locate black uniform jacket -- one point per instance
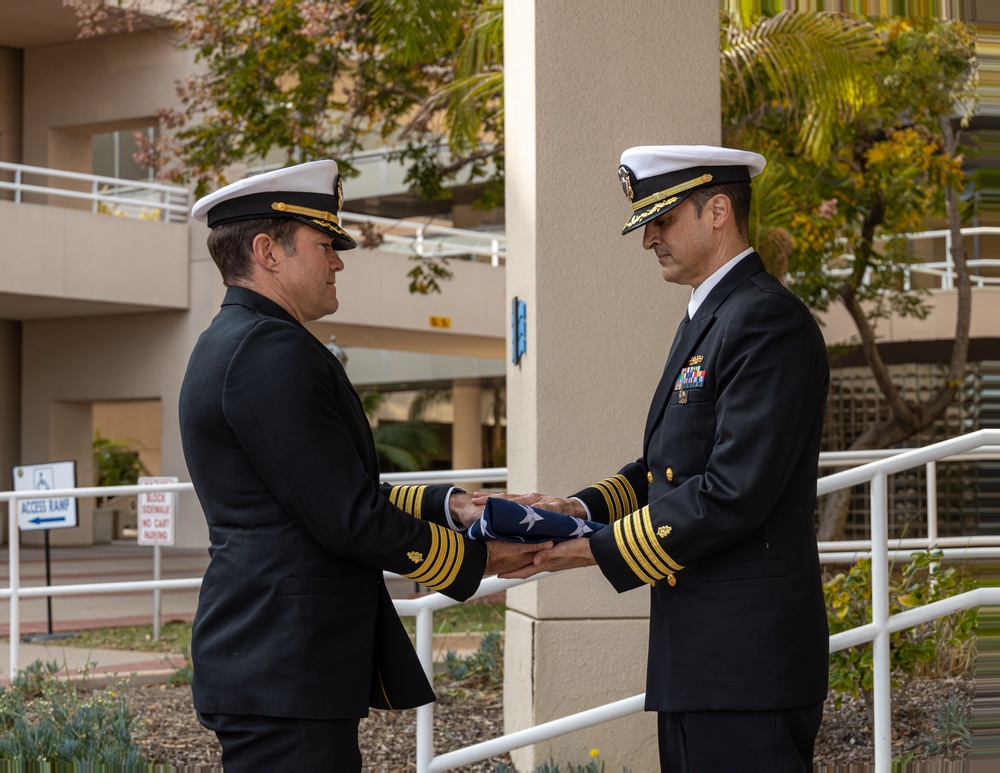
(717, 516)
(293, 618)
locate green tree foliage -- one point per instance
(834, 219)
(116, 463)
(314, 78)
(298, 80)
(404, 446)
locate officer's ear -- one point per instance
(721, 209)
(263, 249)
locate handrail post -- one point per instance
(932, 504)
(156, 592)
(18, 181)
(15, 586)
(948, 280)
(425, 713)
(880, 617)
(495, 253)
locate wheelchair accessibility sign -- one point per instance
(46, 512)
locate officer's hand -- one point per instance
(504, 556)
(571, 554)
(544, 501)
(464, 510)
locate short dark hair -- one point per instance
(231, 244)
(737, 193)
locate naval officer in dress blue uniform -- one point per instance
(717, 513)
(295, 634)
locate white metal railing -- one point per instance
(984, 271)
(984, 444)
(110, 195)
(158, 201)
(417, 238)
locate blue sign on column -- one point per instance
(518, 330)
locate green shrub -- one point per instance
(950, 731)
(45, 719)
(484, 666)
(940, 646)
(184, 674)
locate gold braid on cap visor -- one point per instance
(700, 180)
(292, 209)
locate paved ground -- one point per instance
(119, 561)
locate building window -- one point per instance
(114, 151)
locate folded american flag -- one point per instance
(503, 519)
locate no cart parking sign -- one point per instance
(156, 514)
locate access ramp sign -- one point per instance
(46, 512)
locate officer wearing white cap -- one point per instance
(295, 634)
(716, 515)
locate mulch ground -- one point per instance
(169, 733)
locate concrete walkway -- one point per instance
(119, 561)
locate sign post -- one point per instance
(46, 513)
(156, 528)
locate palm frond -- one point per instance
(817, 68)
(372, 401)
(416, 31)
(477, 90)
(408, 445)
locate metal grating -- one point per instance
(968, 492)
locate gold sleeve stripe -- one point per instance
(618, 495)
(639, 546)
(408, 498)
(632, 530)
(444, 559)
(628, 493)
(620, 539)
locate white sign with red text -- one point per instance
(156, 514)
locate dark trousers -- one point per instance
(743, 742)
(251, 742)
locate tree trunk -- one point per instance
(908, 418)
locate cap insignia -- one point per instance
(340, 194)
(292, 209)
(651, 211)
(415, 556)
(625, 176)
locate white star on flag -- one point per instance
(581, 528)
(531, 517)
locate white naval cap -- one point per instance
(656, 178)
(311, 193)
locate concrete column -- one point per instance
(467, 426)
(582, 83)
(10, 411)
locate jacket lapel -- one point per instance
(689, 336)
